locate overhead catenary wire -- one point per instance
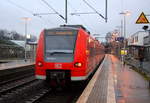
(106, 9)
(23, 8)
(82, 20)
(52, 9)
(26, 10)
(11, 2)
(94, 9)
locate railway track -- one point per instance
(21, 91)
(8, 87)
(26, 89)
(16, 78)
(29, 90)
(8, 75)
(58, 95)
(16, 83)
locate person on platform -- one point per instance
(141, 57)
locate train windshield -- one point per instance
(59, 46)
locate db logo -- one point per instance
(58, 66)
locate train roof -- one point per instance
(62, 28)
(69, 27)
(76, 26)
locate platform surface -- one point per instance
(130, 86)
(115, 82)
(101, 87)
(15, 64)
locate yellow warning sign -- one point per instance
(123, 52)
(142, 19)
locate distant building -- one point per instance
(147, 46)
(147, 39)
(137, 38)
(19, 42)
(22, 44)
(30, 48)
(140, 39)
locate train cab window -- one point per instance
(59, 47)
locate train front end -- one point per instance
(60, 55)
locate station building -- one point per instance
(140, 39)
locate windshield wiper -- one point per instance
(59, 52)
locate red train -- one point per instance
(67, 53)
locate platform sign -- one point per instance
(123, 52)
(142, 19)
(121, 39)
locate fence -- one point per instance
(8, 52)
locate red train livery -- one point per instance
(67, 53)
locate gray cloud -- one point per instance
(11, 15)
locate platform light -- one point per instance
(125, 14)
(28, 36)
(89, 40)
(26, 19)
(87, 52)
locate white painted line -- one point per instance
(110, 89)
(85, 95)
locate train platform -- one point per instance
(15, 64)
(115, 82)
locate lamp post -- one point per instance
(125, 13)
(26, 19)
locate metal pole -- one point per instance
(149, 36)
(66, 11)
(121, 34)
(121, 28)
(25, 39)
(26, 19)
(124, 38)
(106, 12)
(124, 31)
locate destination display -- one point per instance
(60, 33)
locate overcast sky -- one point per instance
(12, 12)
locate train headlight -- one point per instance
(78, 64)
(40, 64)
